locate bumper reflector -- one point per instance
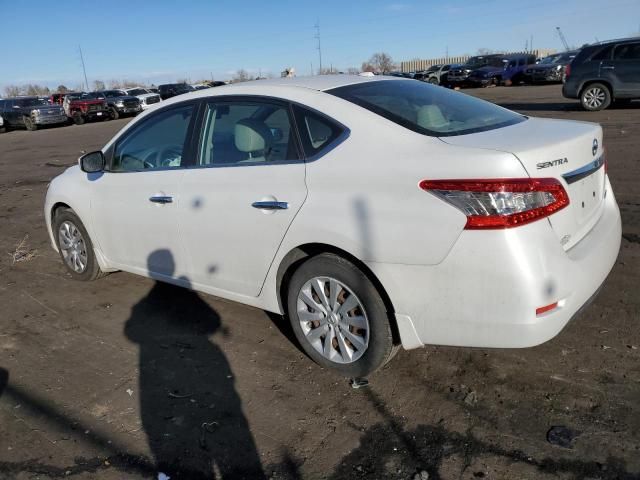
(545, 309)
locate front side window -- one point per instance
(246, 132)
(630, 51)
(158, 142)
(426, 109)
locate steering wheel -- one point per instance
(164, 156)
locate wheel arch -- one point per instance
(298, 255)
(606, 83)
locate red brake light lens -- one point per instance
(501, 203)
(567, 71)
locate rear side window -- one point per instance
(629, 51)
(317, 132)
(604, 54)
(427, 109)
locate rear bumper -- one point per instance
(486, 292)
(570, 89)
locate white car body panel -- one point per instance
(447, 285)
(144, 97)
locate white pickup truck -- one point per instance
(146, 97)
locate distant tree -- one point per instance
(484, 51)
(35, 90)
(240, 76)
(62, 89)
(115, 83)
(353, 71)
(99, 85)
(183, 80)
(12, 91)
(380, 62)
(129, 84)
(367, 67)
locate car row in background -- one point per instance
(495, 69)
(32, 112)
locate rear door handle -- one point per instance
(270, 205)
(161, 199)
(608, 67)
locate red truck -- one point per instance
(80, 108)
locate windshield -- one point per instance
(475, 62)
(549, 60)
(137, 91)
(433, 68)
(30, 102)
(112, 93)
(427, 109)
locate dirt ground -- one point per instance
(125, 378)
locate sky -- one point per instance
(161, 41)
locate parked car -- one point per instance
(58, 98)
(507, 70)
(146, 98)
(550, 69)
(439, 74)
(83, 107)
(1, 119)
(457, 76)
(363, 253)
(174, 89)
(604, 73)
(119, 102)
(30, 113)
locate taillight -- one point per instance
(567, 70)
(501, 203)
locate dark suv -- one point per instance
(31, 113)
(119, 102)
(169, 90)
(604, 73)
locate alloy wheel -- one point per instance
(594, 97)
(72, 246)
(333, 320)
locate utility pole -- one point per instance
(447, 53)
(319, 47)
(562, 39)
(86, 82)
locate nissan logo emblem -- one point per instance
(594, 148)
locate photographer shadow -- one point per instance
(189, 406)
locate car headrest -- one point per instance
(252, 135)
(430, 117)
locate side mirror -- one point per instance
(92, 162)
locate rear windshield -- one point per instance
(427, 109)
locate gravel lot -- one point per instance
(117, 378)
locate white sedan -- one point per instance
(374, 212)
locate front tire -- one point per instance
(75, 247)
(595, 97)
(29, 124)
(434, 81)
(78, 119)
(114, 114)
(338, 316)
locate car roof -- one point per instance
(318, 82)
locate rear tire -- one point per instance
(30, 125)
(75, 247)
(346, 327)
(595, 97)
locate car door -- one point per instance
(135, 202)
(244, 192)
(625, 68)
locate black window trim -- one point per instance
(188, 154)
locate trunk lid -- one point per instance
(569, 151)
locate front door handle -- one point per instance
(608, 67)
(161, 199)
(270, 205)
